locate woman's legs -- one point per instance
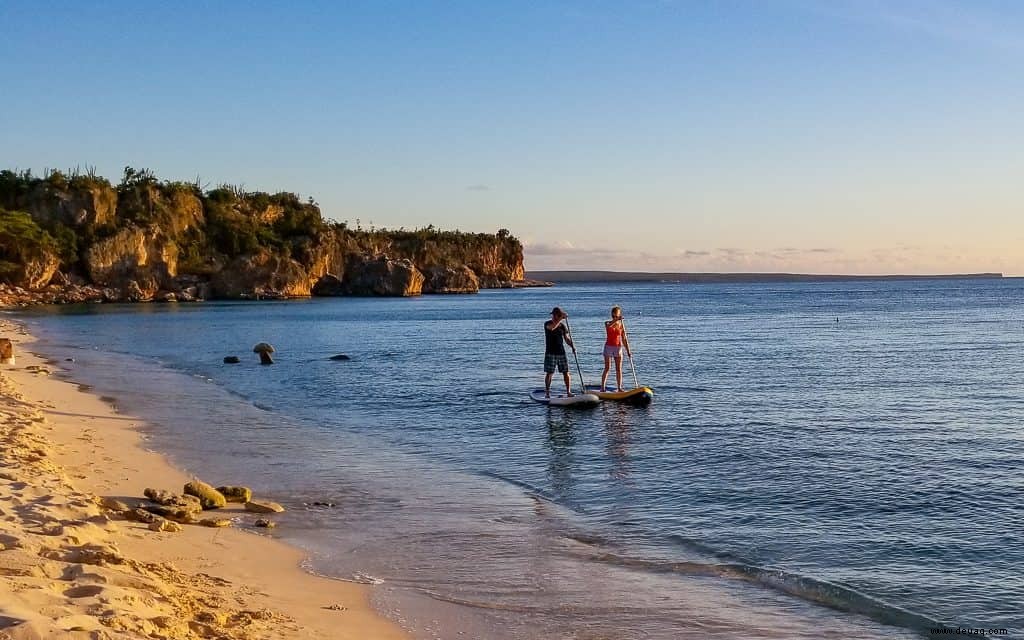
(604, 376)
(618, 371)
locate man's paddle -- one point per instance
(632, 366)
(578, 370)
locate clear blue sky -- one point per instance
(862, 136)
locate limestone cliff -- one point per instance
(149, 239)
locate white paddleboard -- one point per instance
(562, 400)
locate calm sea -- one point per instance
(821, 460)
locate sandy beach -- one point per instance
(72, 567)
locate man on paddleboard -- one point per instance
(555, 332)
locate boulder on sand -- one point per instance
(170, 499)
(209, 497)
(236, 494)
(177, 514)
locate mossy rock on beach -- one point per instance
(209, 497)
(236, 494)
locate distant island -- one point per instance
(641, 276)
(70, 237)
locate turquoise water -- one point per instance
(820, 460)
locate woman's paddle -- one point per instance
(578, 370)
(632, 366)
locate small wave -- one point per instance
(823, 592)
(364, 578)
(534, 492)
(358, 577)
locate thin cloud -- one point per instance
(955, 21)
(565, 249)
(478, 187)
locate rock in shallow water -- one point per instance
(263, 506)
(266, 524)
(340, 356)
(215, 522)
(232, 359)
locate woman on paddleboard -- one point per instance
(555, 332)
(615, 340)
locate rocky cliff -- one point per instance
(70, 238)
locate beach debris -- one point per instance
(336, 607)
(232, 359)
(266, 524)
(263, 506)
(6, 351)
(341, 356)
(209, 497)
(164, 525)
(215, 522)
(236, 494)
(264, 350)
(328, 505)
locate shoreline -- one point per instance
(72, 569)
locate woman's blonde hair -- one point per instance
(616, 311)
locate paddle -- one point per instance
(632, 366)
(574, 356)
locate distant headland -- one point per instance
(641, 276)
(70, 237)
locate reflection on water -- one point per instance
(561, 440)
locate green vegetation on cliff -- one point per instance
(162, 237)
(23, 244)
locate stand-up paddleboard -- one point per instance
(639, 395)
(562, 400)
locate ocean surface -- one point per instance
(821, 460)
